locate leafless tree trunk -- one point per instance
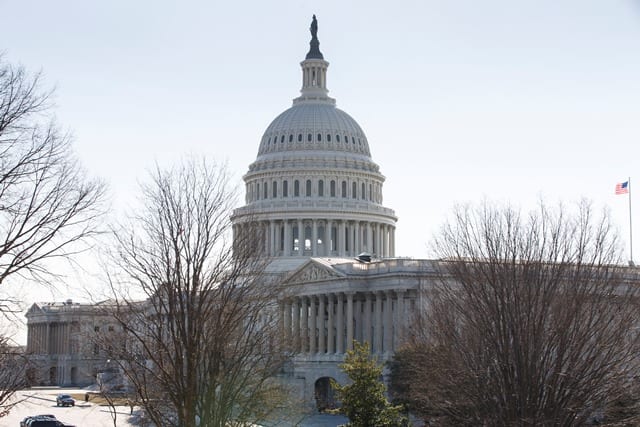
(203, 344)
(533, 323)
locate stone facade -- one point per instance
(61, 344)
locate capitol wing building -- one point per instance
(315, 193)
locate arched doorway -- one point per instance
(324, 394)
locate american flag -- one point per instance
(622, 187)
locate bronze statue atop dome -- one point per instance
(314, 51)
(314, 28)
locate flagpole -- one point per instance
(630, 229)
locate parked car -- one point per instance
(65, 400)
(42, 421)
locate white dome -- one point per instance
(314, 126)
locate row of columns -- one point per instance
(326, 238)
(329, 323)
(49, 338)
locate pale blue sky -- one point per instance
(460, 100)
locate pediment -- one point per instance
(34, 309)
(313, 272)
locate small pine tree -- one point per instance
(363, 401)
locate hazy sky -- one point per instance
(460, 100)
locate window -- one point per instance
(319, 137)
(346, 139)
(344, 189)
(274, 187)
(332, 189)
(328, 138)
(290, 138)
(96, 329)
(338, 138)
(308, 188)
(265, 191)
(309, 137)
(296, 188)
(363, 193)
(299, 137)
(258, 191)
(281, 139)
(370, 192)
(285, 189)
(354, 190)
(353, 140)
(321, 188)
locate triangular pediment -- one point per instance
(313, 271)
(34, 309)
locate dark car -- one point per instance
(42, 421)
(65, 400)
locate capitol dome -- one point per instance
(314, 189)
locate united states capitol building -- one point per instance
(316, 192)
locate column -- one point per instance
(357, 243)
(313, 324)
(320, 324)
(349, 320)
(287, 238)
(327, 238)
(287, 323)
(388, 323)
(314, 237)
(399, 317)
(300, 238)
(296, 325)
(340, 325)
(304, 319)
(378, 324)
(385, 240)
(392, 246)
(331, 348)
(265, 231)
(369, 238)
(272, 238)
(341, 244)
(366, 336)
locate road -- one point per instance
(38, 401)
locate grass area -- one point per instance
(99, 399)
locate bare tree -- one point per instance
(13, 373)
(202, 347)
(533, 323)
(47, 205)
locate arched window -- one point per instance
(370, 192)
(363, 193)
(319, 137)
(344, 189)
(290, 138)
(299, 137)
(308, 188)
(321, 188)
(332, 189)
(281, 139)
(354, 190)
(346, 139)
(296, 188)
(338, 138)
(258, 191)
(328, 138)
(309, 137)
(274, 188)
(285, 189)
(265, 191)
